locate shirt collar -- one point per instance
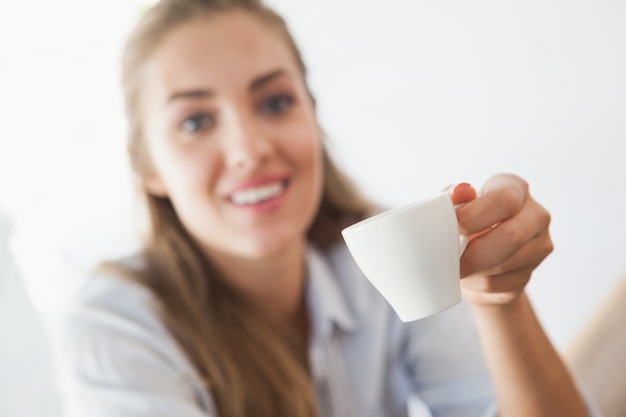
(326, 299)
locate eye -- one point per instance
(277, 104)
(197, 123)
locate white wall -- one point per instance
(414, 95)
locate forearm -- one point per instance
(529, 377)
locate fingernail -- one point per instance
(454, 187)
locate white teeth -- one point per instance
(258, 194)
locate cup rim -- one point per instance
(405, 207)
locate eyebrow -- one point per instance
(205, 93)
(259, 82)
(196, 93)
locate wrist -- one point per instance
(491, 304)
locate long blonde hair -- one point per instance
(252, 366)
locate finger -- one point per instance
(500, 181)
(505, 283)
(462, 193)
(505, 240)
(528, 256)
(500, 199)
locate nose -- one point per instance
(246, 146)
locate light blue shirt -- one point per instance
(116, 358)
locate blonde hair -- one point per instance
(251, 365)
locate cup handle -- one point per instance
(463, 239)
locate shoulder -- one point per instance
(106, 298)
(110, 321)
(114, 354)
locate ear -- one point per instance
(149, 180)
(152, 183)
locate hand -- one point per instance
(509, 239)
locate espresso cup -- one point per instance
(411, 255)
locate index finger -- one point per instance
(500, 199)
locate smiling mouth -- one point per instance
(258, 195)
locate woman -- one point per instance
(244, 301)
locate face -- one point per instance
(232, 136)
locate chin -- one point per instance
(268, 247)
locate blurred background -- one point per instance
(414, 95)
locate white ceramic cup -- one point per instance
(411, 255)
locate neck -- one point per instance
(274, 285)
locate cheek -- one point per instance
(304, 146)
(191, 184)
(306, 155)
(187, 169)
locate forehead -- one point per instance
(221, 53)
